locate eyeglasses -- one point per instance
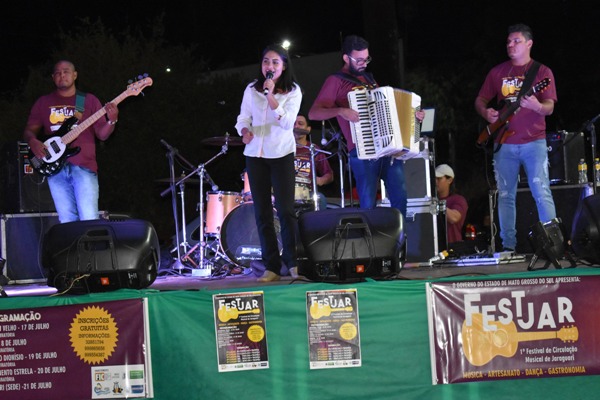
(360, 61)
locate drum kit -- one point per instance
(227, 233)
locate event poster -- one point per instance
(241, 332)
(333, 329)
(536, 327)
(85, 351)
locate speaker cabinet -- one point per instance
(351, 243)
(101, 255)
(24, 189)
(22, 236)
(585, 234)
(566, 198)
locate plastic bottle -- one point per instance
(582, 169)
(597, 168)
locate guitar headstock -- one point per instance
(568, 334)
(541, 85)
(135, 87)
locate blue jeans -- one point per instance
(368, 173)
(75, 192)
(507, 161)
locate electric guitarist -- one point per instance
(74, 187)
(524, 133)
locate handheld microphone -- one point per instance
(323, 140)
(269, 76)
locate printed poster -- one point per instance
(241, 332)
(538, 327)
(333, 329)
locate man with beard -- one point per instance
(332, 101)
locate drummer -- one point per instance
(302, 165)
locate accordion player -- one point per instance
(387, 125)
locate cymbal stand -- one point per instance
(178, 265)
(313, 169)
(337, 136)
(204, 265)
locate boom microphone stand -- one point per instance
(341, 153)
(172, 185)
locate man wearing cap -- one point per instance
(456, 205)
(324, 173)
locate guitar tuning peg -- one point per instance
(145, 75)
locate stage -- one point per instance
(393, 337)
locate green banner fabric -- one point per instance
(394, 344)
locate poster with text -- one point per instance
(333, 329)
(85, 351)
(514, 328)
(241, 332)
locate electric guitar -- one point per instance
(481, 346)
(57, 147)
(500, 127)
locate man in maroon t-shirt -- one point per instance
(74, 187)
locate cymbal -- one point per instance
(221, 140)
(168, 180)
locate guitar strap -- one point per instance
(527, 82)
(79, 104)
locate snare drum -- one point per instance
(239, 238)
(218, 205)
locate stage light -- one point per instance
(548, 240)
(585, 233)
(286, 44)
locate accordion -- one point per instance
(387, 125)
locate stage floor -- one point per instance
(182, 279)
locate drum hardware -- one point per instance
(223, 141)
(313, 150)
(203, 264)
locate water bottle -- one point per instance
(597, 168)
(582, 169)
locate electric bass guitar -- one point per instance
(500, 127)
(57, 147)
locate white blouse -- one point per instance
(273, 129)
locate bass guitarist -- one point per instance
(74, 186)
(520, 137)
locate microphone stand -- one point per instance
(341, 153)
(171, 156)
(313, 170)
(591, 128)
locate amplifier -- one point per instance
(25, 190)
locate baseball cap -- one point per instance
(444, 170)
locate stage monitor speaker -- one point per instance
(351, 243)
(101, 255)
(21, 240)
(585, 233)
(24, 189)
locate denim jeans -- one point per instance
(368, 173)
(75, 192)
(507, 161)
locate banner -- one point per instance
(93, 350)
(514, 328)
